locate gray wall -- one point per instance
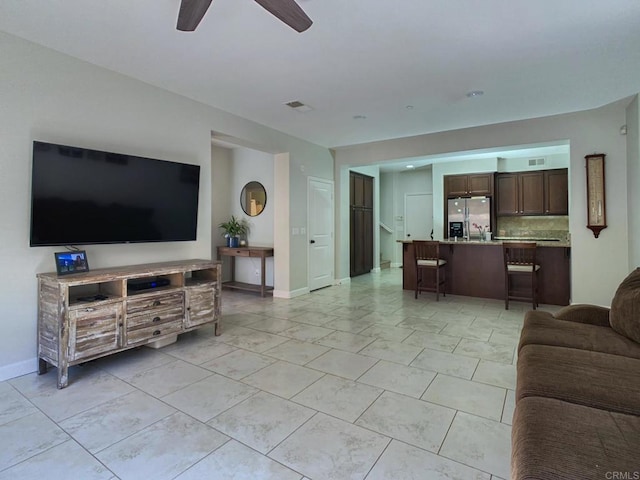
(52, 97)
(633, 181)
(598, 265)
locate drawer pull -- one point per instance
(157, 303)
(156, 319)
(157, 332)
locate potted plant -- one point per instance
(232, 230)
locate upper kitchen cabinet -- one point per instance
(532, 193)
(556, 199)
(507, 194)
(468, 185)
(543, 192)
(520, 193)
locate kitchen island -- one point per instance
(476, 269)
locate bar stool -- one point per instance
(426, 256)
(519, 262)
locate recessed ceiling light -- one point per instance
(410, 166)
(475, 93)
(359, 117)
(409, 107)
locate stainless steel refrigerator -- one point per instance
(464, 212)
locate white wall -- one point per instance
(48, 96)
(302, 165)
(282, 238)
(221, 199)
(250, 165)
(387, 214)
(557, 160)
(598, 265)
(415, 181)
(633, 181)
(386, 198)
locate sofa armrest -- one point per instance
(591, 314)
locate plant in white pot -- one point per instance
(233, 229)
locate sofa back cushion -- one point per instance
(625, 307)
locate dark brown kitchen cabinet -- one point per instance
(456, 185)
(543, 192)
(480, 184)
(520, 193)
(361, 242)
(532, 193)
(507, 194)
(361, 224)
(468, 185)
(361, 190)
(556, 185)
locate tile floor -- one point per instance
(350, 382)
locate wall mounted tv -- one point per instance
(81, 197)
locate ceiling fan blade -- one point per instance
(289, 12)
(191, 12)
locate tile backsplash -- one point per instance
(552, 227)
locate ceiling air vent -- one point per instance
(536, 161)
(298, 106)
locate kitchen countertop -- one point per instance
(539, 243)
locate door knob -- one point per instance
(312, 241)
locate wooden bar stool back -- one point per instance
(428, 264)
(520, 263)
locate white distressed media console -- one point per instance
(88, 315)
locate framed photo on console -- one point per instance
(71, 262)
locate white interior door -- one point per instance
(321, 245)
(418, 216)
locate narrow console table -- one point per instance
(88, 315)
(257, 252)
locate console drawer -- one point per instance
(153, 332)
(155, 317)
(154, 303)
(237, 252)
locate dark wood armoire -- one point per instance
(361, 228)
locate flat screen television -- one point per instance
(81, 196)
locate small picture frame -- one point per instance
(71, 262)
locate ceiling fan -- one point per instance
(192, 11)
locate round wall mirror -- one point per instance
(253, 198)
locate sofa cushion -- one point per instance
(582, 313)
(625, 307)
(599, 380)
(543, 329)
(552, 439)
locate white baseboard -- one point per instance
(343, 281)
(18, 369)
(396, 265)
(292, 294)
